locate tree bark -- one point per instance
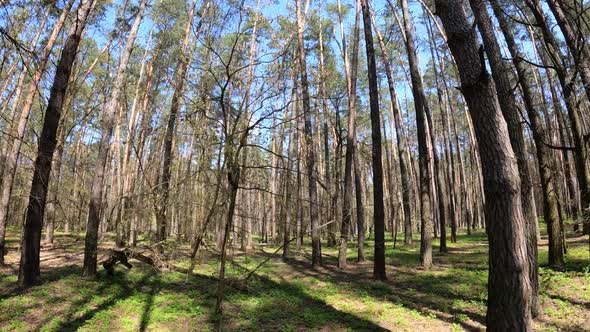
(351, 153)
(96, 190)
(544, 155)
(29, 270)
(509, 290)
(401, 142)
(309, 146)
(424, 149)
(9, 159)
(507, 100)
(377, 159)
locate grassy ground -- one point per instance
(285, 296)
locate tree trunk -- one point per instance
(424, 149)
(165, 176)
(378, 212)
(309, 146)
(52, 202)
(327, 174)
(351, 153)
(509, 107)
(569, 96)
(575, 43)
(401, 142)
(95, 208)
(30, 253)
(544, 155)
(9, 158)
(509, 290)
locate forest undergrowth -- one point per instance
(284, 295)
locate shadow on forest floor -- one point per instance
(285, 294)
(143, 299)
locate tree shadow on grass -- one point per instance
(426, 293)
(147, 308)
(167, 300)
(282, 305)
(116, 289)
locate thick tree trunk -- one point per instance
(509, 290)
(509, 107)
(9, 158)
(544, 155)
(30, 253)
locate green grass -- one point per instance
(289, 295)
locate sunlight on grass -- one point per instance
(290, 296)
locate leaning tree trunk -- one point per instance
(165, 176)
(509, 290)
(511, 113)
(401, 142)
(351, 153)
(96, 190)
(9, 157)
(544, 155)
(573, 111)
(424, 150)
(378, 206)
(577, 45)
(309, 146)
(30, 253)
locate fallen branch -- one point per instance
(154, 259)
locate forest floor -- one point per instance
(285, 295)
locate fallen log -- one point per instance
(123, 255)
